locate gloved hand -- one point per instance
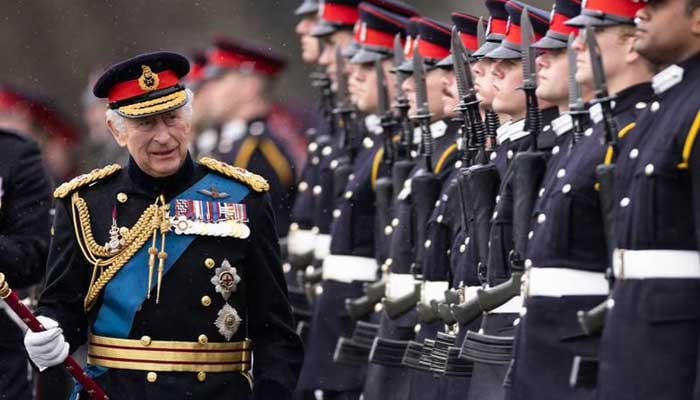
(48, 348)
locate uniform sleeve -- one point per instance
(24, 228)
(66, 281)
(277, 349)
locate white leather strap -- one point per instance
(322, 247)
(558, 282)
(656, 264)
(301, 241)
(349, 268)
(399, 285)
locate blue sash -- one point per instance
(125, 293)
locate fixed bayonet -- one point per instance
(402, 104)
(601, 88)
(422, 114)
(577, 108)
(481, 32)
(533, 119)
(385, 114)
(343, 107)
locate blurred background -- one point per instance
(51, 48)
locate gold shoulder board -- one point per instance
(256, 182)
(81, 180)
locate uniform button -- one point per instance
(428, 243)
(530, 234)
(588, 132)
(495, 215)
(417, 328)
(145, 340)
(655, 106)
(368, 143)
(462, 248)
(203, 339)
(209, 263)
(541, 218)
(509, 154)
(541, 192)
(610, 303)
(151, 377)
(303, 186)
(388, 230)
(201, 376)
(458, 164)
(319, 290)
(123, 231)
(439, 219)
(351, 177)
(206, 301)
(313, 146)
(467, 240)
(389, 261)
(498, 198)
(528, 263)
(625, 202)
(395, 222)
(334, 164)
(317, 190)
(122, 197)
(634, 153)
(649, 169)
(437, 203)
(555, 150)
(286, 267)
(348, 195)
(566, 189)
(327, 151)
(493, 156)
(640, 105)
(378, 307)
(561, 173)
(315, 230)
(293, 226)
(309, 270)
(336, 213)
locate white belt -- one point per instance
(558, 282)
(513, 306)
(659, 264)
(433, 290)
(301, 241)
(349, 268)
(323, 246)
(400, 285)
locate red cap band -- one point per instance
(227, 59)
(129, 89)
(558, 24)
(470, 42)
(620, 8)
(498, 26)
(432, 50)
(515, 35)
(377, 38)
(340, 14)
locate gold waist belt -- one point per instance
(163, 355)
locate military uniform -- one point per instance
(24, 239)
(656, 290)
(191, 267)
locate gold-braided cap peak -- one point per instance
(82, 180)
(256, 182)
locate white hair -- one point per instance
(119, 121)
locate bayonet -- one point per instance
(386, 117)
(533, 120)
(601, 88)
(422, 114)
(343, 107)
(577, 108)
(481, 32)
(402, 104)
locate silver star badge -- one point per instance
(228, 321)
(225, 279)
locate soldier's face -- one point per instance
(363, 85)
(483, 82)
(666, 32)
(310, 45)
(450, 94)
(552, 77)
(434, 81)
(615, 48)
(340, 39)
(157, 143)
(508, 98)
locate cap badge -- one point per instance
(148, 81)
(508, 25)
(551, 15)
(363, 32)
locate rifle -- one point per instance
(13, 302)
(402, 105)
(577, 108)
(321, 81)
(363, 306)
(592, 321)
(345, 112)
(533, 119)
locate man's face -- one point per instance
(450, 94)
(552, 77)
(310, 45)
(483, 82)
(157, 143)
(613, 46)
(507, 79)
(339, 39)
(665, 31)
(434, 80)
(363, 85)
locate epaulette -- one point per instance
(256, 182)
(85, 179)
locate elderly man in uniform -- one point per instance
(166, 254)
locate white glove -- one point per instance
(47, 348)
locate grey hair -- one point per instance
(119, 122)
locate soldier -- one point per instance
(218, 288)
(25, 200)
(650, 342)
(308, 18)
(242, 76)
